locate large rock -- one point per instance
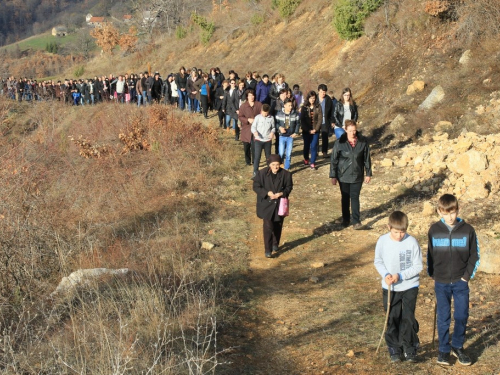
(468, 163)
(398, 123)
(436, 96)
(428, 209)
(476, 187)
(465, 58)
(416, 86)
(489, 251)
(85, 277)
(443, 126)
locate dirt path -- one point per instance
(298, 317)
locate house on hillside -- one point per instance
(127, 18)
(149, 18)
(59, 31)
(96, 21)
(88, 17)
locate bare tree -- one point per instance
(84, 43)
(166, 14)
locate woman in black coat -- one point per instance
(271, 184)
(345, 109)
(351, 166)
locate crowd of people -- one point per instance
(236, 101)
(263, 109)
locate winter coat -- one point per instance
(267, 208)
(338, 113)
(181, 81)
(453, 255)
(306, 123)
(248, 112)
(217, 100)
(328, 115)
(250, 85)
(274, 92)
(194, 86)
(149, 83)
(262, 92)
(166, 91)
(349, 165)
(294, 123)
(156, 89)
(230, 103)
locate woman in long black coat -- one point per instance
(271, 184)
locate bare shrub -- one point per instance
(478, 19)
(134, 138)
(143, 210)
(437, 7)
(90, 150)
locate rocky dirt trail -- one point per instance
(316, 307)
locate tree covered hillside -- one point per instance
(22, 18)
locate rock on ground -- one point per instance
(436, 96)
(85, 277)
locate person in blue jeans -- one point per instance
(452, 260)
(310, 122)
(288, 125)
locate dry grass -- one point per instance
(146, 210)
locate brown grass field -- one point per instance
(115, 186)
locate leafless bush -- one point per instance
(145, 211)
(478, 19)
(437, 7)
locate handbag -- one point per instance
(339, 132)
(283, 209)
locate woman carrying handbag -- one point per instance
(272, 185)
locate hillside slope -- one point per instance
(378, 67)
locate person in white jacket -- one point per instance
(263, 131)
(398, 259)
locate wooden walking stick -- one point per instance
(386, 317)
(434, 325)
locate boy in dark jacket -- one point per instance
(452, 260)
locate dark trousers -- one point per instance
(258, 146)
(222, 118)
(248, 149)
(324, 142)
(350, 197)
(272, 234)
(276, 143)
(204, 104)
(402, 327)
(237, 131)
(444, 293)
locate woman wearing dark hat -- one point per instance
(271, 184)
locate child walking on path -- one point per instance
(398, 260)
(452, 260)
